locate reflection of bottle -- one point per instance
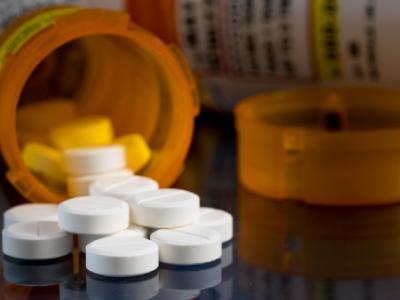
(318, 241)
(245, 46)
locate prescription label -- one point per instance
(24, 32)
(252, 37)
(12, 9)
(246, 46)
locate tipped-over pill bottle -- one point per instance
(244, 47)
(104, 65)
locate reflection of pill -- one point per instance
(94, 160)
(36, 240)
(122, 256)
(30, 212)
(122, 187)
(164, 208)
(189, 245)
(133, 231)
(189, 278)
(83, 132)
(138, 153)
(218, 220)
(93, 215)
(135, 288)
(43, 273)
(44, 160)
(79, 185)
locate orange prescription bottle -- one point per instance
(322, 146)
(109, 67)
(243, 47)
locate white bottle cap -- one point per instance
(36, 240)
(189, 245)
(121, 256)
(93, 215)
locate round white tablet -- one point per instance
(93, 215)
(122, 187)
(218, 220)
(79, 185)
(189, 245)
(93, 160)
(30, 212)
(36, 240)
(164, 208)
(122, 256)
(133, 231)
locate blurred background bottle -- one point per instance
(243, 47)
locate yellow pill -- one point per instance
(138, 152)
(83, 132)
(44, 160)
(34, 120)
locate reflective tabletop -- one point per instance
(281, 250)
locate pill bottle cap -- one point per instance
(143, 85)
(325, 146)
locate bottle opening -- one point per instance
(109, 69)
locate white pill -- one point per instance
(189, 245)
(36, 240)
(133, 231)
(94, 160)
(218, 220)
(79, 185)
(93, 215)
(122, 256)
(30, 212)
(122, 187)
(164, 208)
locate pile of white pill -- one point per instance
(126, 225)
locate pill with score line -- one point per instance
(122, 187)
(80, 185)
(36, 240)
(164, 208)
(30, 212)
(93, 215)
(218, 220)
(132, 231)
(189, 245)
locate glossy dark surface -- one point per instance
(281, 250)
